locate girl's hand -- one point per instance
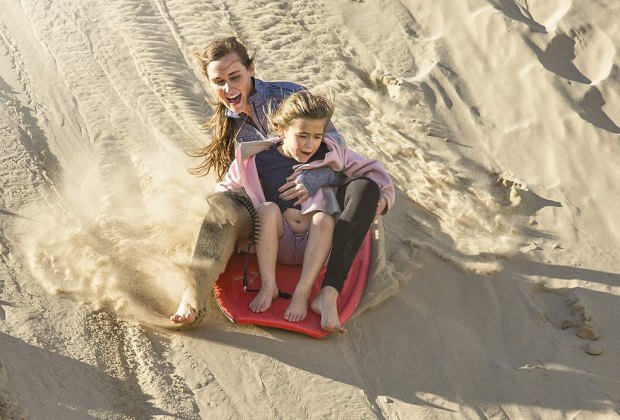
(293, 190)
(381, 206)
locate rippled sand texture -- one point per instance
(499, 121)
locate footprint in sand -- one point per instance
(549, 12)
(592, 109)
(594, 52)
(562, 309)
(558, 57)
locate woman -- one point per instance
(243, 103)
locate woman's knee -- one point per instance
(221, 199)
(225, 208)
(362, 193)
(367, 188)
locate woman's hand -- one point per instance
(381, 206)
(293, 190)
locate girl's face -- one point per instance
(302, 138)
(231, 82)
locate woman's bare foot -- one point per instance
(325, 305)
(184, 315)
(263, 299)
(297, 309)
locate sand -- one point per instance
(499, 121)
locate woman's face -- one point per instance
(302, 138)
(231, 82)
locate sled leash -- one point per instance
(254, 234)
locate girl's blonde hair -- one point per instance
(219, 153)
(302, 104)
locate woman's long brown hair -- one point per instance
(219, 153)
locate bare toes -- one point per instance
(333, 327)
(186, 318)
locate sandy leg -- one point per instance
(224, 224)
(325, 305)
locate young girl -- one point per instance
(292, 233)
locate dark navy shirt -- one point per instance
(273, 169)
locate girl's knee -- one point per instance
(323, 221)
(269, 213)
(270, 218)
(267, 209)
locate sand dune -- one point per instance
(499, 121)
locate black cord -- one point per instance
(254, 234)
(247, 203)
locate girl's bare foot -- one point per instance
(297, 309)
(325, 305)
(263, 299)
(184, 315)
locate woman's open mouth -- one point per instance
(234, 100)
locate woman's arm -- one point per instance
(232, 179)
(356, 166)
(334, 134)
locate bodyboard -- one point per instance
(234, 302)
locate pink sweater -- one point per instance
(242, 174)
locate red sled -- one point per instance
(234, 302)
